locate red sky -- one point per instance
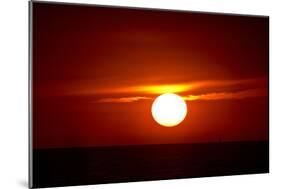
(96, 71)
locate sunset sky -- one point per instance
(97, 70)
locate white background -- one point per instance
(14, 93)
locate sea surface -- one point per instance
(96, 165)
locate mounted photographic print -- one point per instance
(121, 94)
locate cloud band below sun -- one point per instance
(123, 99)
(251, 93)
(196, 90)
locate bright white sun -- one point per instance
(169, 109)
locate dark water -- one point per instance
(79, 166)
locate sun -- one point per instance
(169, 109)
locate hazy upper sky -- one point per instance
(96, 71)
